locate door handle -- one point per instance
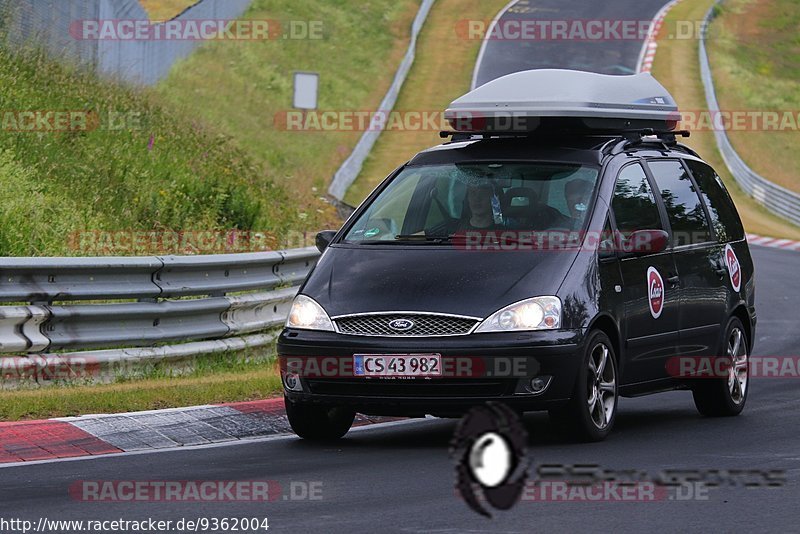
(673, 280)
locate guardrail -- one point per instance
(775, 198)
(122, 304)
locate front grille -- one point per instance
(419, 387)
(424, 325)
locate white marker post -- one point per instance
(306, 88)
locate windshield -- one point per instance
(434, 203)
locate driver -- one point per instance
(577, 194)
(479, 215)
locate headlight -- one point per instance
(538, 313)
(308, 315)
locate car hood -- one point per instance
(362, 279)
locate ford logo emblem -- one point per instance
(401, 325)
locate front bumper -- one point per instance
(499, 367)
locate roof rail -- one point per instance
(625, 138)
(666, 138)
(464, 136)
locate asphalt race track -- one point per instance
(611, 56)
(398, 477)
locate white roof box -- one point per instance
(567, 100)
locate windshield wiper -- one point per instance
(434, 239)
(401, 239)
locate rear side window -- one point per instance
(634, 204)
(684, 208)
(724, 217)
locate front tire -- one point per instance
(726, 396)
(318, 423)
(592, 410)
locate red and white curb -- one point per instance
(648, 53)
(91, 435)
(773, 242)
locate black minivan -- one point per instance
(546, 273)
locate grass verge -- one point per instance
(210, 379)
(244, 87)
(755, 57)
(135, 165)
(677, 67)
(442, 71)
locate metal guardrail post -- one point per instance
(20, 329)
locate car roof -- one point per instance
(585, 149)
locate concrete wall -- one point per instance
(47, 23)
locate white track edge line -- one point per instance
(486, 39)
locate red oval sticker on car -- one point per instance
(734, 269)
(655, 290)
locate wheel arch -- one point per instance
(740, 312)
(609, 327)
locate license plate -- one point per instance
(397, 365)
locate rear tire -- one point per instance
(318, 423)
(592, 410)
(725, 397)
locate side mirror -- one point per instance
(642, 242)
(324, 239)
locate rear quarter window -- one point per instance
(724, 217)
(682, 202)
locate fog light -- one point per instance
(292, 382)
(538, 384)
